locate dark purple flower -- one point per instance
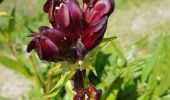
(65, 15)
(90, 93)
(94, 10)
(96, 13)
(75, 31)
(50, 45)
(94, 33)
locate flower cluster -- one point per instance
(89, 93)
(75, 30)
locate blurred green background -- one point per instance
(142, 48)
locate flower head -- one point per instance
(96, 13)
(50, 45)
(75, 31)
(90, 93)
(94, 10)
(65, 15)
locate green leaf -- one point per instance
(56, 89)
(115, 85)
(88, 65)
(5, 14)
(69, 89)
(118, 51)
(3, 39)
(29, 28)
(15, 66)
(156, 71)
(97, 49)
(166, 97)
(108, 39)
(101, 60)
(92, 69)
(11, 21)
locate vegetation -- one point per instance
(131, 63)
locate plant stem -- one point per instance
(49, 81)
(13, 50)
(41, 82)
(78, 79)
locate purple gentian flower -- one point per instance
(90, 93)
(75, 31)
(67, 16)
(50, 45)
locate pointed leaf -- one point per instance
(115, 85)
(5, 14)
(11, 21)
(56, 89)
(15, 66)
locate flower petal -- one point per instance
(48, 48)
(94, 10)
(94, 34)
(62, 16)
(47, 5)
(89, 1)
(76, 15)
(31, 45)
(43, 28)
(54, 35)
(97, 93)
(50, 45)
(75, 27)
(39, 50)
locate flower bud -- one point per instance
(93, 35)
(75, 31)
(90, 93)
(50, 45)
(96, 13)
(94, 10)
(65, 15)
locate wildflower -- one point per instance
(50, 45)
(65, 15)
(75, 31)
(96, 13)
(90, 93)
(94, 10)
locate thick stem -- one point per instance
(78, 79)
(84, 93)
